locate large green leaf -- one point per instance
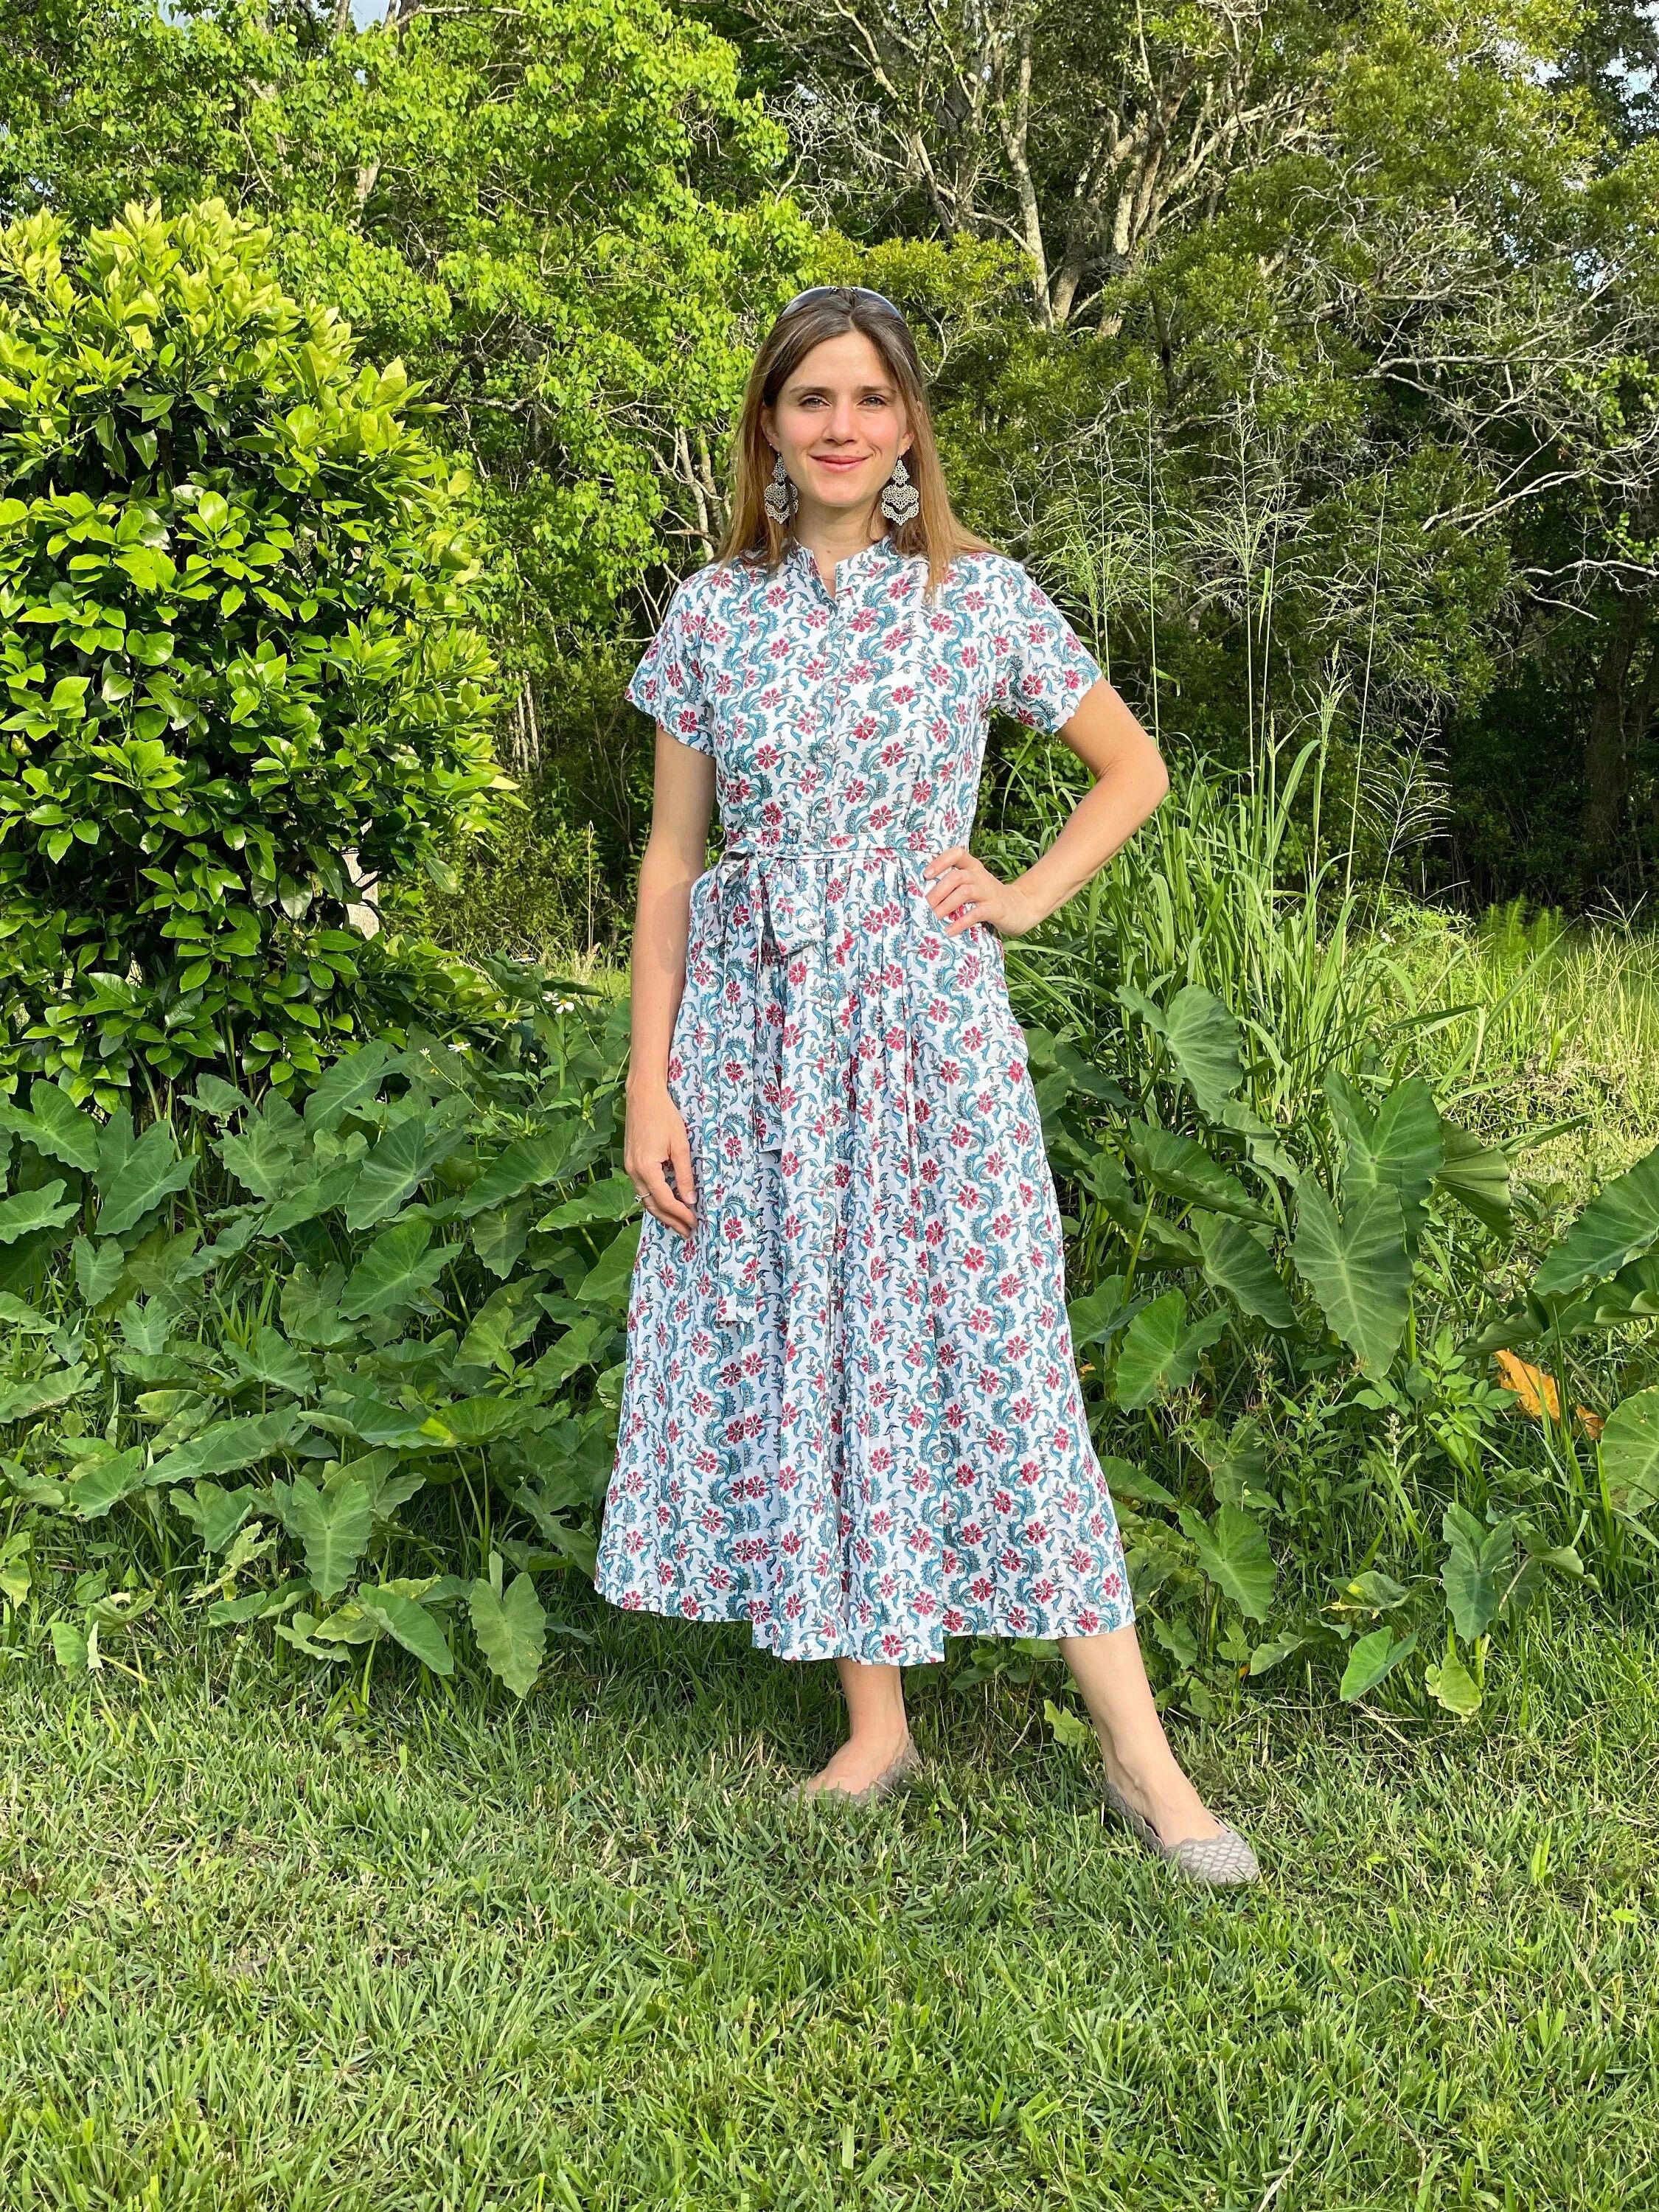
(409, 1623)
(1261, 1140)
(16, 1314)
(353, 1081)
(1359, 1269)
(392, 1171)
(103, 1482)
(1124, 1481)
(309, 1196)
(1160, 1352)
(1236, 1459)
(1629, 1452)
(216, 1514)
(607, 1281)
(1371, 1658)
(370, 1420)
(1473, 1572)
(226, 1447)
(272, 1360)
(98, 1269)
(1451, 1684)
(1237, 1262)
(526, 1164)
(150, 1171)
(395, 1273)
(1101, 1313)
(582, 1345)
(1619, 1224)
(511, 1630)
(472, 1421)
(1162, 1244)
(334, 1525)
(1399, 1147)
(1205, 1044)
(1631, 1296)
(613, 1199)
(508, 1319)
(34, 1209)
(55, 1126)
(38, 1394)
(311, 1307)
(499, 1237)
(1477, 1176)
(263, 1159)
(1233, 1552)
(1180, 1168)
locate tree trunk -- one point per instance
(1607, 749)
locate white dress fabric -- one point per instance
(850, 1412)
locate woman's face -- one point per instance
(839, 424)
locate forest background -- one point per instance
(1352, 307)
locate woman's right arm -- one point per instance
(654, 1138)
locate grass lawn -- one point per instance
(579, 1954)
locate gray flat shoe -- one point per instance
(1220, 1861)
(897, 1774)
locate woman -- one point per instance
(851, 1413)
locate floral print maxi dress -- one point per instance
(850, 1412)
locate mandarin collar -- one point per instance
(877, 554)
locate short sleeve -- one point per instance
(1044, 668)
(668, 683)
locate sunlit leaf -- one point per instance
(1629, 1449)
(1374, 1656)
(1534, 1388)
(1618, 1225)
(512, 1630)
(31, 1209)
(333, 1526)
(1234, 1554)
(1358, 1268)
(1206, 1045)
(1160, 1352)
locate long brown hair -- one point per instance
(751, 533)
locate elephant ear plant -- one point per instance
(1287, 1335)
(346, 1375)
(240, 668)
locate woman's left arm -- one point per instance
(1130, 782)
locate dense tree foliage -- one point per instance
(555, 214)
(239, 671)
(1311, 349)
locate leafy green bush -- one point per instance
(340, 1371)
(1294, 1266)
(235, 588)
(353, 1372)
(1253, 1329)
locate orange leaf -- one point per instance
(1534, 1388)
(1592, 1423)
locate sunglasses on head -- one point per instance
(841, 292)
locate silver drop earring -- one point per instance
(900, 502)
(780, 494)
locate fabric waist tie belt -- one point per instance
(779, 918)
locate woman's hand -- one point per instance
(965, 889)
(654, 1141)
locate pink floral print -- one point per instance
(850, 1410)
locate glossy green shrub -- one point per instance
(236, 647)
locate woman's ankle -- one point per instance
(1157, 1788)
